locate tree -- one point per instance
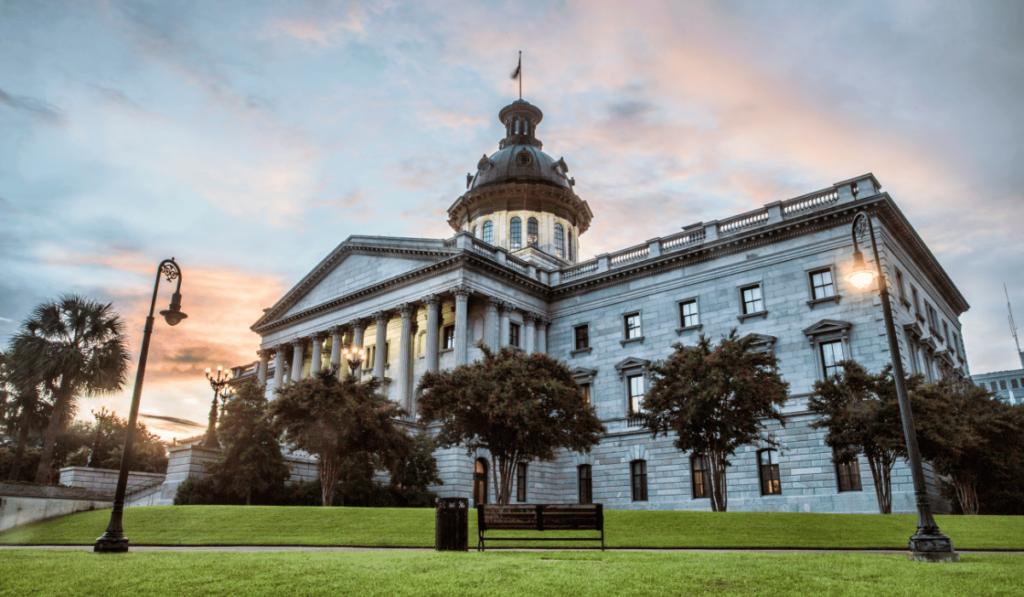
(74, 346)
(965, 434)
(415, 471)
(862, 415)
(337, 419)
(22, 408)
(519, 407)
(251, 463)
(714, 399)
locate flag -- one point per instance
(519, 68)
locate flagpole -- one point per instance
(520, 74)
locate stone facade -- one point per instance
(431, 301)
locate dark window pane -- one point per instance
(521, 482)
(638, 472)
(699, 475)
(586, 493)
(515, 234)
(531, 232)
(488, 232)
(582, 337)
(768, 470)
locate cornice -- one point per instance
(502, 194)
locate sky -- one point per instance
(248, 139)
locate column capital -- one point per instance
(335, 329)
(382, 316)
(493, 303)
(461, 291)
(505, 306)
(432, 299)
(530, 317)
(299, 342)
(360, 322)
(264, 352)
(407, 309)
(542, 320)
(319, 335)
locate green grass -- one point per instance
(270, 525)
(519, 574)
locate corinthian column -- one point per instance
(297, 353)
(503, 327)
(530, 335)
(335, 348)
(542, 334)
(261, 373)
(433, 327)
(380, 358)
(278, 366)
(491, 326)
(318, 354)
(405, 357)
(461, 325)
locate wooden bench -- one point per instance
(540, 517)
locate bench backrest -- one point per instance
(541, 517)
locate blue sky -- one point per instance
(248, 139)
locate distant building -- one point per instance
(1008, 386)
(511, 275)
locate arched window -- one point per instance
(532, 232)
(700, 474)
(474, 231)
(568, 241)
(480, 481)
(638, 475)
(488, 232)
(584, 480)
(515, 234)
(768, 470)
(559, 241)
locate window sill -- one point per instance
(580, 351)
(920, 318)
(905, 302)
(446, 350)
(746, 316)
(935, 334)
(637, 340)
(830, 299)
(691, 328)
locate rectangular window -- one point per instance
(831, 356)
(899, 285)
(700, 474)
(917, 304)
(631, 325)
(585, 388)
(636, 392)
(848, 474)
(638, 474)
(945, 332)
(688, 315)
(371, 357)
(1002, 384)
(995, 388)
(821, 284)
(582, 333)
(585, 483)
(768, 469)
(513, 334)
(932, 319)
(1013, 383)
(448, 337)
(521, 482)
(752, 302)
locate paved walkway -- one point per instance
(260, 548)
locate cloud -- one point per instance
(34, 108)
(4, 319)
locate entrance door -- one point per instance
(480, 481)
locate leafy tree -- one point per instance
(714, 399)
(519, 407)
(965, 434)
(251, 463)
(22, 408)
(862, 415)
(336, 419)
(74, 346)
(415, 471)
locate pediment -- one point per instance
(761, 339)
(828, 326)
(582, 374)
(631, 363)
(914, 329)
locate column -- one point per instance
(503, 309)
(542, 334)
(261, 373)
(335, 348)
(380, 358)
(461, 325)
(530, 335)
(408, 311)
(433, 327)
(318, 353)
(278, 366)
(491, 326)
(297, 354)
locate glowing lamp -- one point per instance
(861, 277)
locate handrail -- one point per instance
(679, 240)
(747, 220)
(810, 201)
(580, 269)
(630, 254)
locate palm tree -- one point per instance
(74, 346)
(22, 409)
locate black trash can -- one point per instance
(451, 530)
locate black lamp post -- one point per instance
(354, 357)
(113, 540)
(218, 383)
(928, 544)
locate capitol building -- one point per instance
(511, 275)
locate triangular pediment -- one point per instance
(827, 326)
(583, 374)
(761, 339)
(631, 363)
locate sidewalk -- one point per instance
(261, 548)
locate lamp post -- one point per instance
(113, 540)
(928, 544)
(218, 383)
(354, 357)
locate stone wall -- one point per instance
(105, 480)
(21, 504)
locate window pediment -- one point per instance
(761, 340)
(583, 375)
(828, 326)
(631, 364)
(914, 329)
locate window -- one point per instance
(1002, 384)
(585, 388)
(899, 285)
(515, 234)
(480, 481)
(932, 317)
(568, 241)
(636, 393)
(688, 315)
(448, 337)
(638, 475)
(821, 285)
(956, 342)
(945, 332)
(488, 232)
(521, 482)
(768, 470)
(474, 231)
(831, 356)
(917, 303)
(700, 476)
(631, 326)
(559, 241)
(848, 475)
(752, 302)
(995, 388)
(532, 234)
(585, 484)
(582, 334)
(513, 334)
(1013, 383)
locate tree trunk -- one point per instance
(881, 473)
(330, 469)
(502, 474)
(60, 404)
(19, 453)
(719, 493)
(967, 493)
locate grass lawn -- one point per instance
(518, 574)
(275, 525)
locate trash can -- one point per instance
(451, 530)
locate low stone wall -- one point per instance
(102, 479)
(21, 504)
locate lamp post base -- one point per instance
(932, 547)
(111, 545)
